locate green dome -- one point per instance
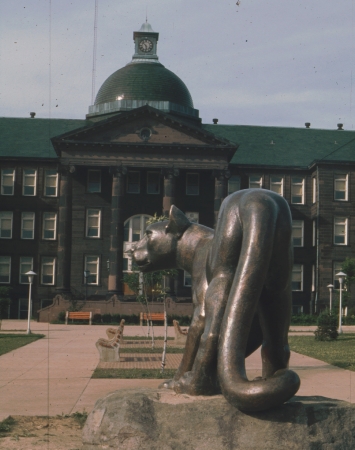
(144, 81)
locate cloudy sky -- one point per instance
(258, 62)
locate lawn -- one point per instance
(340, 352)
(10, 342)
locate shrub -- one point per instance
(303, 319)
(184, 321)
(327, 327)
(116, 318)
(106, 318)
(131, 319)
(96, 318)
(61, 317)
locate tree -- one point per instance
(5, 302)
(348, 267)
(151, 286)
(327, 327)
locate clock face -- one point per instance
(145, 45)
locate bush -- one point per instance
(96, 318)
(303, 319)
(131, 319)
(116, 318)
(106, 318)
(327, 327)
(61, 317)
(184, 321)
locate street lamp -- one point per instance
(330, 287)
(341, 276)
(30, 275)
(86, 275)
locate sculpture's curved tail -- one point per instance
(257, 263)
(261, 394)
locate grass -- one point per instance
(134, 373)
(339, 353)
(10, 342)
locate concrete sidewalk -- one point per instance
(53, 375)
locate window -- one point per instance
(255, 181)
(233, 184)
(192, 184)
(192, 216)
(93, 223)
(340, 231)
(187, 279)
(92, 264)
(48, 270)
(133, 183)
(341, 187)
(297, 277)
(6, 224)
(277, 185)
(28, 225)
(7, 181)
(297, 233)
(336, 269)
(134, 229)
(49, 226)
(29, 182)
(94, 181)
(5, 269)
(314, 189)
(51, 183)
(314, 233)
(297, 190)
(153, 183)
(26, 264)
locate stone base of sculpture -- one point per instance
(149, 419)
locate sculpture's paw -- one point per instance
(167, 384)
(186, 385)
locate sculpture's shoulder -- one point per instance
(245, 198)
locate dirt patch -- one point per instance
(42, 433)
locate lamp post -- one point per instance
(341, 276)
(86, 275)
(330, 287)
(30, 275)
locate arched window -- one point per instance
(134, 229)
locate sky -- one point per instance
(247, 62)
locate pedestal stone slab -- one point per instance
(150, 419)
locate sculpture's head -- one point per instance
(157, 249)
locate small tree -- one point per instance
(327, 327)
(348, 267)
(151, 286)
(5, 302)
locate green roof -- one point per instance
(30, 138)
(294, 147)
(144, 81)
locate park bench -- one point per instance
(109, 348)
(78, 315)
(152, 316)
(180, 334)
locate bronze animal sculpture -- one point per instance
(241, 289)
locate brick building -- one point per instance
(76, 193)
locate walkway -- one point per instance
(53, 375)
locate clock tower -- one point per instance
(145, 41)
